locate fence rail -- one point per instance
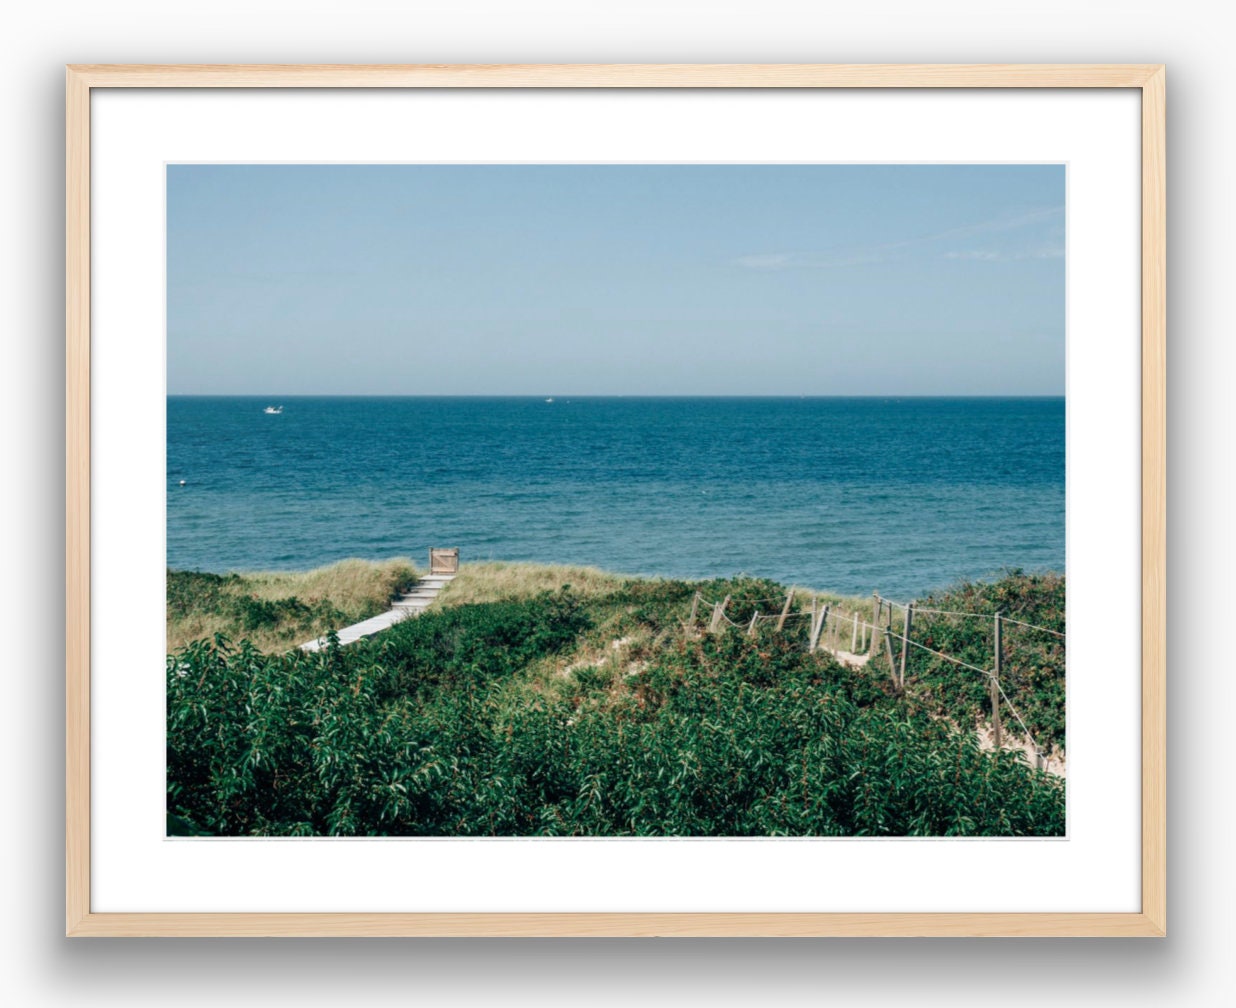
(866, 638)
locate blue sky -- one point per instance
(616, 279)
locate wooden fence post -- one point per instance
(873, 645)
(755, 617)
(718, 611)
(816, 626)
(905, 644)
(996, 731)
(785, 611)
(892, 661)
(854, 634)
(695, 605)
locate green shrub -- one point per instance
(1033, 666)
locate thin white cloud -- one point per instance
(996, 224)
(888, 251)
(769, 261)
(983, 255)
(990, 255)
(800, 260)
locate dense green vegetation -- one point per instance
(1033, 666)
(588, 713)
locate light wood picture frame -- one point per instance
(82, 920)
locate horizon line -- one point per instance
(614, 395)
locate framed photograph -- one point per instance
(616, 500)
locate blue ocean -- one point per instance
(844, 494)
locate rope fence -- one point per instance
(867, 636)
(1025, 730)
(938, 654)
(1058, 633)
(972, 615)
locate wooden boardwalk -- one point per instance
(413, 603)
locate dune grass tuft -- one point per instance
(348, 584)
(277, 610)
(497, 580)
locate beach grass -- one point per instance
(495, 580)
(277, 610)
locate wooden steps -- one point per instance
(411, 603)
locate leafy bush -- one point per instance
(1033, 664)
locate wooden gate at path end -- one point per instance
(443, 561)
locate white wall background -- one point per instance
(39, 967)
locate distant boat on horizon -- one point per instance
(273, 409)
(549, 399)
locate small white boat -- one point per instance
(273, 409)
(549, 400)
